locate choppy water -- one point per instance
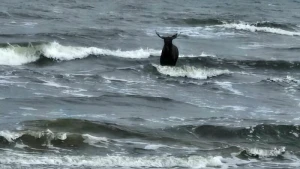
(81, 85)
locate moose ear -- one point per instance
(174, 36)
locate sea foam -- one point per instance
(57, 51)
(15, 55)
(114, 161)
(252, 28)
(19, 55)
(190, 72)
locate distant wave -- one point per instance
(273, 25)
(216, 21)
(213, 28)
(206, 32)
(260, 27)
(196, 21)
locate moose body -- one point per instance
(169, 54)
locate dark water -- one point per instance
(81, 85)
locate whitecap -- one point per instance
(228, 86)
(57, 51)
(115, 161)
(93, 140)
(190, 72)
(248, 27)
(267, 153)
(14, 55)
(9, 136)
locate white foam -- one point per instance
(267, 153)
(76, 93)
(57, 51)
(9, 136)
(295, 134)
(287, 79)
(29, 24)
(203, 54)
(93, 140)
(236, 108)
(114, 161)
(62, 136)
(47, 133)
(53, 84)
(252, 28)
(14, 55)
(252, 46)
(190, 71)
(28, 108)
(153, 146)
(228, 86)
(111, 78)
(21, 146)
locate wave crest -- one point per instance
(19, 55)
(258, 28)
(59, 52)
(190, 72)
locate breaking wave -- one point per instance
(260, 27)
(18, 55)
(284, 80)
(190, 72)
(263, 153)
(114, 161)
(77, 133)
(210, 28)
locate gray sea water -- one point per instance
(81, 85)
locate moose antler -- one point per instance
(158, 35)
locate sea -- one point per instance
(81, 85)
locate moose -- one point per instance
(169, 54)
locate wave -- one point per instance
(262, 153)
(273, 25)
(18, 55)
(10, 158)
(260, 27)
(12, 55)
(284, 80)
(206, 32)
(78, 133)
(196, 21)
(216, 21)
(258, 132)
(214, 28)
(244, 64)
(45, 53)
(190, 72)
(4, 14)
